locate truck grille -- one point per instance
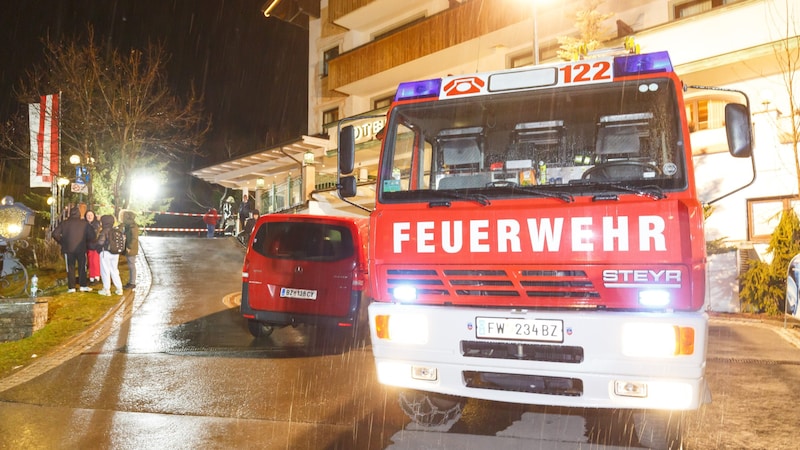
(534, 384)
(523, 352)
(521, 283)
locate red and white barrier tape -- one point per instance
(175, 213)
(177, 229)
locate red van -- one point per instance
(304, 269)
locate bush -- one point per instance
(763, 286)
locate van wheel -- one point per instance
(259, 329)
(431, 410)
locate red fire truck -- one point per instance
(537, 238)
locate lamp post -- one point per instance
(535, 14)
(535, 35)
(83, 175)
(62, 183)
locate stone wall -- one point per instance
(21, 317)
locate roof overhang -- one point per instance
(243, 172)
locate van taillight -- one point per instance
(358, 281)
(246, 271)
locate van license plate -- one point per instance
(305, 294)
(547, 330)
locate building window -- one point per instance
(520, 60)
(686, 8)
(706, 113)
(327, 56)
(383, 102)
(330, 116)
(548, 50)
(764, 214)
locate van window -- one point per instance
(303, 241)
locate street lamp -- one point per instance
(16, 219)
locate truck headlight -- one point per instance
(654, 298)
(404, 293)
(656, 340)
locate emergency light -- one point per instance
(642, 64)
(418, 89)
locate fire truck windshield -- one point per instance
(570, 141)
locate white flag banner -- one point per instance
(44, 127)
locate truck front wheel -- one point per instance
(659, 430)
(430, 410)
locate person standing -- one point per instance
(109, 262)
(92, 252)
(128, 220)
(244, 211)
(73, 234)
(210, 218)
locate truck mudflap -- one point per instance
(597, 359)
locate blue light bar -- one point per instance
(642, 64)
(418, 89)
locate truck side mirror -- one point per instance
(347, 149)
(347, 186)
(738, 130)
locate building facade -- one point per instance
(360, 50)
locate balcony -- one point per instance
(441, 34)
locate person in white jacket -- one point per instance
(109, 262)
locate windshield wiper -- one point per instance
(561, 195)
(478, 198)
(650, 191)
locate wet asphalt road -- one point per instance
(180, 370)
(175, 367)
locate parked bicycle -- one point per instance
(14, 275)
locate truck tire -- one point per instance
(431, 410)
(259, 329)
(659, 430)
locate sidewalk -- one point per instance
(98, 331)
(790, 333)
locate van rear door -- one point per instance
(303, 267)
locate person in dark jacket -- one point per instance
(244, 210)
(74, 234)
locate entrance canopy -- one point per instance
(264, 166)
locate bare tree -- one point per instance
(118, 111)
(787, 52)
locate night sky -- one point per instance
(252, 70)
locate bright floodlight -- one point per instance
(144, 187)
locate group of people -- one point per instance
(247, 218)
(86, 244)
